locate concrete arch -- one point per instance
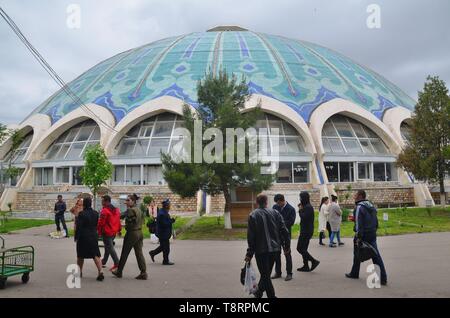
(73, 118)
(149, 109)
(283, 111)
(340, 106)
(393, 119)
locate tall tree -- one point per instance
(16, 138)
(97, 168)
(221, 101)
(3, 133)
(427, 155)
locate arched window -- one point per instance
(341, 134)
(72, 144)
(150, 137)
(21, 151)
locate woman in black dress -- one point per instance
(86, 237)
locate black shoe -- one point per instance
(383, 282)
(117, 274)
(314, 265)
(168, 263)
(320, 243)
(100, 277)
(152, 256)
(351, 276)
(276, 276)
(304, 269)
(340, 244)
(258, 294)
(332, 245)
(288, 277)
(142, 276)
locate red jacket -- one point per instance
(109, 222)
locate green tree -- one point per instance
(16, 138)
(3, 133)
(426, 155)
(97, 168)
(221, 101)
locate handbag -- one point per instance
(151, 224)
(365, 251)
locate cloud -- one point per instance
(413, 40)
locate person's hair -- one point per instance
(133, 197)
(107, 198)
(334, 198)
(322, 202)
(261, 200)
(87, 203)
(362, 194)
(278, 197)
(304, 198)
(59, 196)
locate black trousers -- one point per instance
(60, 219)
(265, 264)
(288, 261)
(302, 248)
(164, 247)
(377, 260)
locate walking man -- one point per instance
(366, 225)
(134, 239)
(287, 211)
(163, 232)
(60, 209)
(266, 235)
(108, 226)
(306, 232)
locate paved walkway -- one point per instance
(417, 265)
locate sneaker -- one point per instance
(152, 256)
(288, 277)
(304, 269)
(340, 244)
(320, 243)
(100, 277)
(351, 276)
(142, 276)
(314, 265)
(383, 282)
(276, 276)
(168, 263)
(113, 268)
(117, 274)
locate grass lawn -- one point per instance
(411, 220)
(20, 224)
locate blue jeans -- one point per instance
(377, 260)
(338, 236)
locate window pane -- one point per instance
(300, 172)
(53, 151)
(275, 125)
(75, 151)
(261, 123)
(47, 178)
(133, 175)
(141, 148)
(127, 147)
(62, 175)
(359, 130)
(326, 145)
(352, 146)
(158, 145)
(328, 130)
(37, 176)
(95, 134)
(335, 145)
(63, 151)
(163, 129)
(378, 145)
(378, 172)
(166, 117)
(153, 175)
(346, 171)
(363, 170)
(89, 144)
(69, 134)
(370, 133)
(332, 171)
(289, 130)
(294, 145)
(84, 133)
(278, 144)
(119, 175)
(134, 131)
(76, 178)
(367, 147)
(391, 172)
(284, 174)
(342, 127)
(148, 131)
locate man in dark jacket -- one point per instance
(306, 232)
(60, 209)
(287, 211)
(366, 225)
(266, 236)
(163, 232)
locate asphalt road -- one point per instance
(417, 266)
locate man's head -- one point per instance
(304, 198)
(334, 198)
(87, 203)
(261, 201)
(106, 200)
(279, 200)
(360, 195)
(59, 197)
(166, 204)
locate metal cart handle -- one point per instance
(3, 242)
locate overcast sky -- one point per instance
(413, 41)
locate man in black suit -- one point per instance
(287, 211)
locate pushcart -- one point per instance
(15, 261)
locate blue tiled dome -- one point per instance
(300, 74)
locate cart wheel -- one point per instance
(3, 283)
(25, 278)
